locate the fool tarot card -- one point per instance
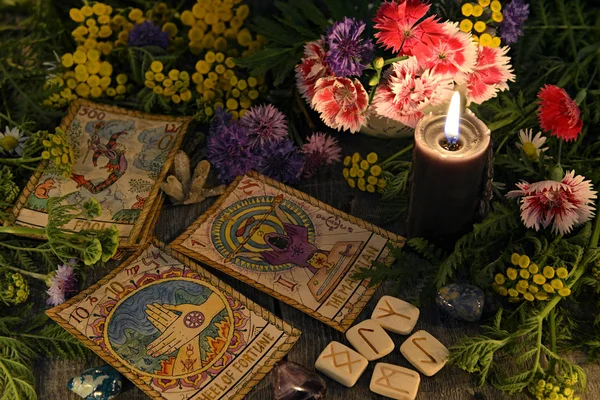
(291, 246)
(175, 330)
(121, 157)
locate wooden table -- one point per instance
(329, 186)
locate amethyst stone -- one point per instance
(294, 382)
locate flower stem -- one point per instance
(398, 154)
(30, 249)
(573, 27)
(393, 60)
(596, 232)
(28, 273)
(24, 231)
(552, 327)
(19, 161)
(560, 144)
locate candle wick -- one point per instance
(451, 146)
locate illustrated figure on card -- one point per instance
(291, 246)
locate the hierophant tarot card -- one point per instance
(291, 246)
(121, 157)
(175, 330)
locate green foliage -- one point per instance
(21, 342)
(291, 26)
(8, 188)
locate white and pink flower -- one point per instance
(342, 103)
(491, 73)
(408, 89)
(451, 55)
(563, 204)
(312, 67)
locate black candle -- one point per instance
(449, 164)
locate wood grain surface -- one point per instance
(450, 383)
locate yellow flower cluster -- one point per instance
(482, 19)
(526, 281)
(58, 151)
(551, 389)
(365, 174)
(95, 28)
(17, 289)
(173, 85)
(219, 86)
(86, 75)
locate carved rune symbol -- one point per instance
(431, 359)
(360, 332)
(387, 374)
(391, 311)
(345, 353)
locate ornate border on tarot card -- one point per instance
(347, 321)
(139, 233)
(269, 363)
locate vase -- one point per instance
(386, 128)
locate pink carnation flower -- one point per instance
(563, 204)
(490, 75)
(312, 67)
(342, 103)
(451, 55)
(408, 89)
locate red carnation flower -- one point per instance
(558, 113)
(399, 30)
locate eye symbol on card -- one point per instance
(179, 323)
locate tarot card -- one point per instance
(121, 157)
(175, 330)
(291, 246)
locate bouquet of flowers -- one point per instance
(418, 62)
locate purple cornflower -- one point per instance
(515, 14)
(229, 152)
(220, 120)
(148, 34)
(62, 282)
(265, 124)
(349, 54)
(320, 150)
(282, 161)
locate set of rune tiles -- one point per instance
(173, 328)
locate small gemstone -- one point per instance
(461, 301)
(294, 382)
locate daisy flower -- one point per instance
(12, 141)
(229, 153)
(563, 204)
(342, 103)
(349, 54)
(490, 75)
(312, 67)
(61, 283)
(407, 90)
(398, 28)
(558, 113)
(264, 123)
(281, 161)
(452, 54)
(320, 150)
(531, 145)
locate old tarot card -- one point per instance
(175, 330)
(121, 158)
(289, 245)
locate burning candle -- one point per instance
(449, 166)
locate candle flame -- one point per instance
(451, 128)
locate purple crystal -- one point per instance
(294, 382)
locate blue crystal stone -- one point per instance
(101, 383)
(461, 301)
